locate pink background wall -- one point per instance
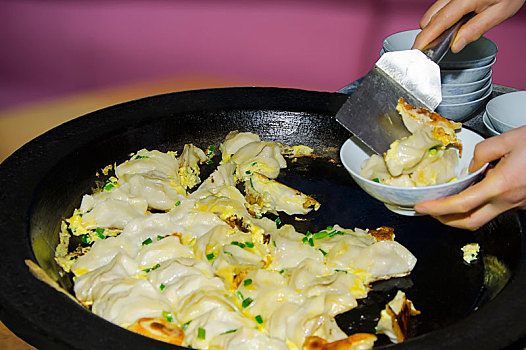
(56, 48)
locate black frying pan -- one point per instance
(477, 306)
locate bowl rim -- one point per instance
(487, 123)
(486, 95)
(486, 77)
(491, 102)
(475, 69)
(483, 89)
(412, 188)
(493, 47)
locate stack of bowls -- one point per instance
(505, 112)
(466, 76)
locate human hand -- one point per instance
(444, 13)
(503, 187)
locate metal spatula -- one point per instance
(370, 112)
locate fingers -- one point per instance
(473, 219)
(437, 6)
(480, 24)
(462, 203)
(447, 13)
(444, 13)
(487, 151)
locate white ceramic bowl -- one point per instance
(465, 88)
(476, 54)
(468, 75)
(472, 96)
(402, 199)
(507, 111)
(488, 125)
(462, 111)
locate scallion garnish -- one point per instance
(247, 282)
(86, 239)
(147, 241)
(321, 234)
(162, 286)
(168, 316)
(100, 232)
(246, 302)
(201, 333)
(210, 256)
(259, 319)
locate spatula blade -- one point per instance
(370, 112)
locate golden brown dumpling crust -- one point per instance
(159, 329)
(356, 341)
(442, 129)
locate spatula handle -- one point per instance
(436, 49)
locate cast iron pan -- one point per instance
(477, 306)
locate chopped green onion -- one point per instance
(230, 331)
(246, 302)
(209, 162)
(210, 256)
(140, 157)
(335, 232)
(308, 234)
(251, 183)
(86, 239)
(321, 234)
(248, 172)
(254, 163)
(239, 295)
(100, 232)
(282, 271)
(185, 325)
(201, 333)
(247, 282)
(345, 271)
(168, 316)
(159, 237)
(162, 286)
(376, 180)
(108, 186)
(177, 203)
(322, 251)
(433, 152)
(155, 267)
(259, 319)
(329, 228)
(311, 242)
(278, 221)
(239, 244)
(147, 241)
(274, 243)
(249, 244)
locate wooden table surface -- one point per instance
(20, 125)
